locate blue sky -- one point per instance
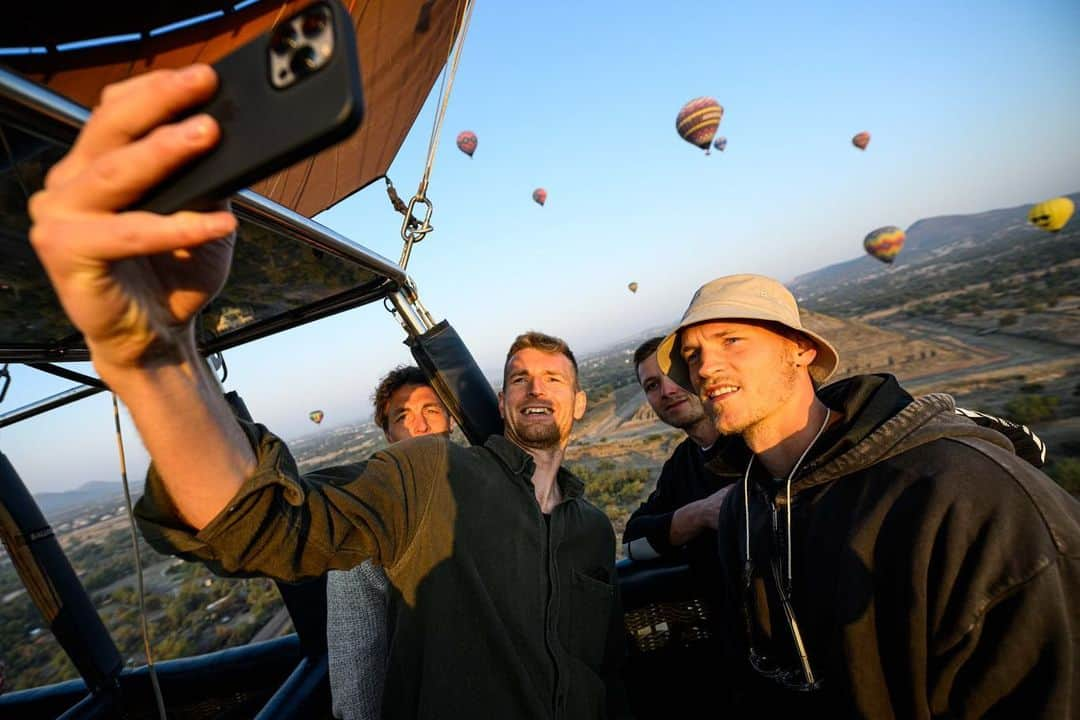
(972, 106)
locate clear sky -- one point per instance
(972, 106)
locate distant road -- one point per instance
(1016, 350)
(273, 627)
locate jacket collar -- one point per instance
(521, 464)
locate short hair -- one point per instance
(394, 380)
(544, 343)
(646, 350)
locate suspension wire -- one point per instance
(446, 88)
(413, 231)
(138, 563)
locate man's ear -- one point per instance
(502, 409)
(581, 400)
(805, 352)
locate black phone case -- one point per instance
(265, 129)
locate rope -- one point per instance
(138, 564)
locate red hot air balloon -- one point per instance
(861, 140)
(698, 121)
(540, 196)
(466, 142)
(885, 243)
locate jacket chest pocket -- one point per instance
(591, 603)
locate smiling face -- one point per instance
(415, 410)
(673, 405)
(540, 400)
(747, 376)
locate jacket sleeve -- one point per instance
(651, 522)
(1021, 658)
(292, 527)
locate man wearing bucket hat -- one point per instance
(887, 556)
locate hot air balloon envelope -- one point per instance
(1052, 214)
(540, 196)
(698, 120)
(720, 143)
(885, 243)
(632, 287)
(861, 140)
(316, 416)
(466, 142)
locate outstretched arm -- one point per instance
(133, 282)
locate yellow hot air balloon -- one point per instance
(1052, 214)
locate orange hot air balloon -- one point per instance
(698, 121)
(861, 140)
(540, 196)
(885, 243)
(467, 142)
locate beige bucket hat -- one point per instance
(743, 297)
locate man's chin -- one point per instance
(540, 438)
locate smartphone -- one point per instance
(288, 94)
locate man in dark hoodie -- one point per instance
(888, 557)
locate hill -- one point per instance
(983, 253)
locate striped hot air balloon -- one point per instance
(467, 142)
(540, 196)
(698, 121)
(885, 243)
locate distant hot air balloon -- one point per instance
(861, 140)
(316, 416)
(885, 243)
(540, 196)
(698, 121)
(466, 142)
(720, 143)
(633, 287)
(1052, 214)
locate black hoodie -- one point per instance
(933, 572)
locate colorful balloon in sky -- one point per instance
(316, 416)
(861, 140)
(1052, 214)
(698, 121)
(720, 143)
(885, 243)
(632, 287)
(466, 142)
(540, 196)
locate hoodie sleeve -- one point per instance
(292, 527)
(649, 527)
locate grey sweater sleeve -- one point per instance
(357, 642)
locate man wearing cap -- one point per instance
(889, 558)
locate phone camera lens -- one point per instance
(284, 39)
(303, 62)
(315, 22)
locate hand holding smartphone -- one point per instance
(284, 96)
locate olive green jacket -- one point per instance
(495, 612)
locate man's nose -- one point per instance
(536, 386)
(669, 387)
